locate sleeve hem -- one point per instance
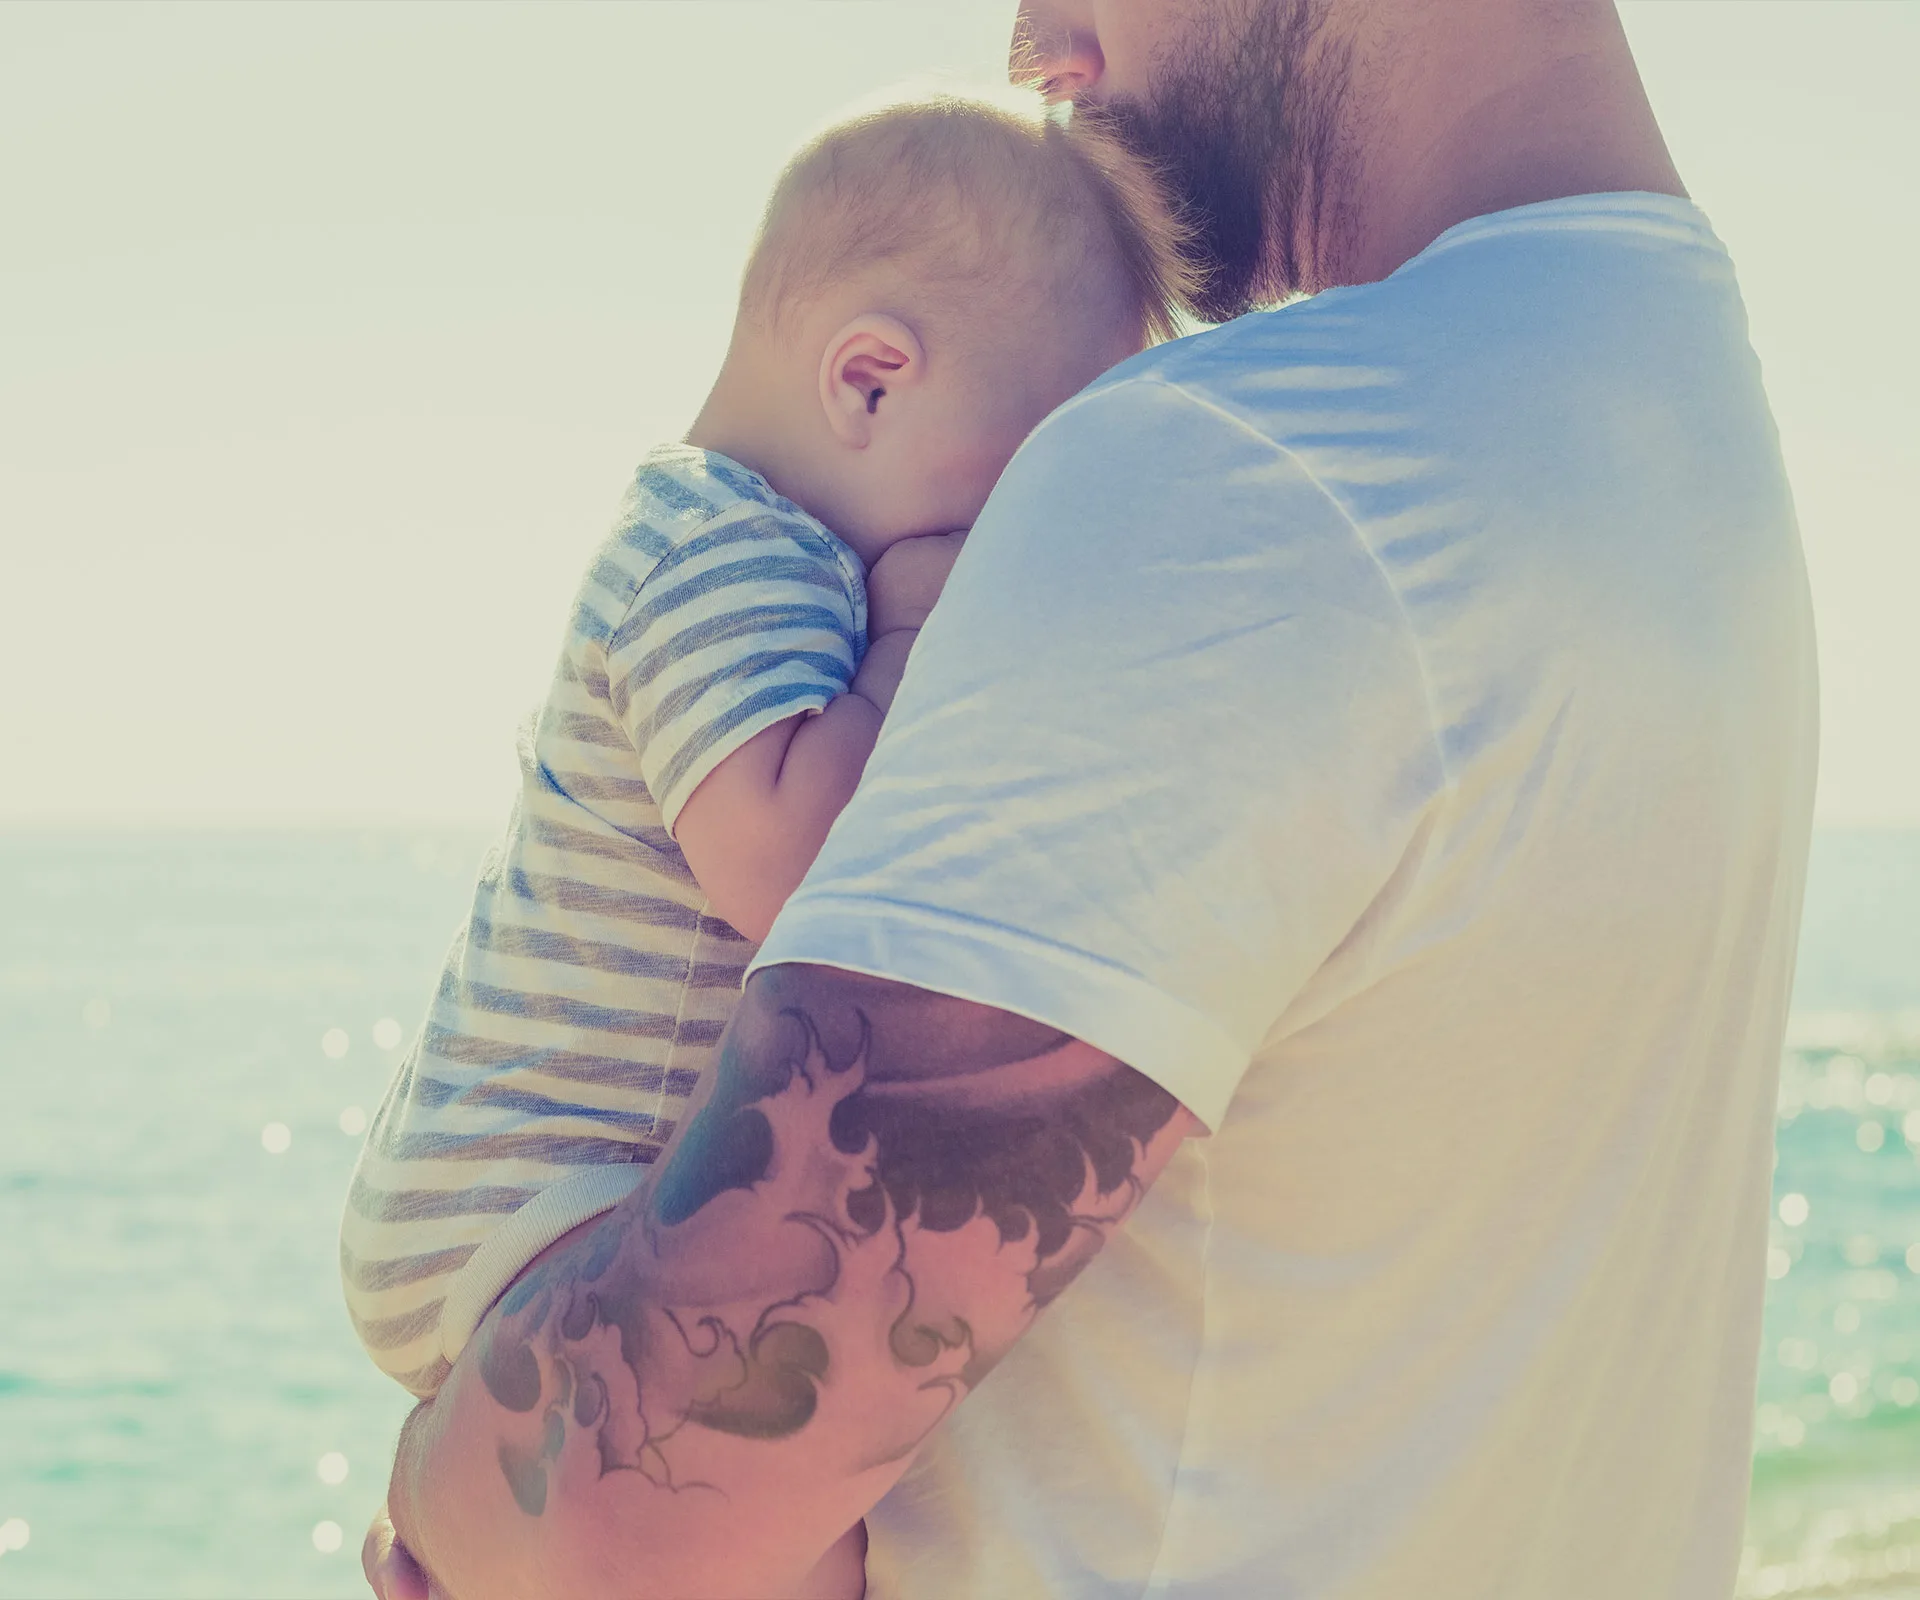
(504, 1256)
(673, 802)
(1108, 1007)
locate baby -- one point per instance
(928, 283)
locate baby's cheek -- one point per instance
(974, 472)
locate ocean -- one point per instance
(194, 1028)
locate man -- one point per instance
(1339, 849)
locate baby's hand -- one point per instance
(907, 579)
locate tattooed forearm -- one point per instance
(881, 1191)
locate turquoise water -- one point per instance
(178, 1384)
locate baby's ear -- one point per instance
(872, 358)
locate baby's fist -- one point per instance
(904, 583)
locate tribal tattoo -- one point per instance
(882, 1190)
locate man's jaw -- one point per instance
(1243, 120)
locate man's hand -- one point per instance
(391, 1571)
(907, 579)
(393, 1574)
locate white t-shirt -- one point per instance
(1388, 723)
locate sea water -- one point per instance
(193, 1030)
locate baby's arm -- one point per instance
(755, 823)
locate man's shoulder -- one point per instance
(1290, 350)
(1189, 408)
(1191, 360)
(1525, 279)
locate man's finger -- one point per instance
(391, 1571)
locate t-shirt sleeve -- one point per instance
(1164, 741)
(746, 623)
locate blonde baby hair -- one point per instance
(975, 205)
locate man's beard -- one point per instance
(1244, 142)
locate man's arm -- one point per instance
(701, 1394)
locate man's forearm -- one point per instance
(880, 1192)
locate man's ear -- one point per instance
(871, 359)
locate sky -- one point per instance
(329, 336)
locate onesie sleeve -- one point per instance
(1162, 743)
(755, 618)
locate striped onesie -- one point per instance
(588, 990)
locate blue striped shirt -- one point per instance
(587, 992)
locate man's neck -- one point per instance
(1463, 110)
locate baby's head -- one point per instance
(930, 281)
